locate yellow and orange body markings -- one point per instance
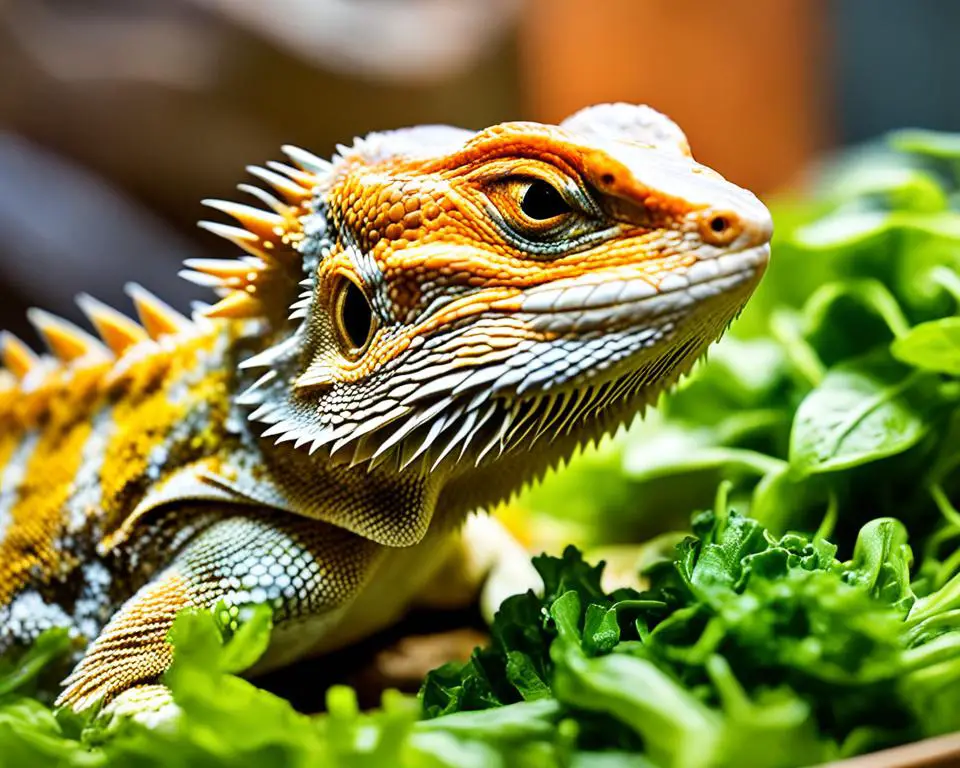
(133, 415)
(53, 422)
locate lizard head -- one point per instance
(468, 297)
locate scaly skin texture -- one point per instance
(418, 328)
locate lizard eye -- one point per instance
(540, 202)
(353, 318)
(532, 207)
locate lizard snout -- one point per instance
(727, 228)
(748, 225)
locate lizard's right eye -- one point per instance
(353, 318)
(541, 201)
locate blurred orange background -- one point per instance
(116, 118)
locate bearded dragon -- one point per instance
(417, 328)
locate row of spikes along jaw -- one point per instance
(450, 431)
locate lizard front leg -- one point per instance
(482, 561)
(305, 570)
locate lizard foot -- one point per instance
(149, 705)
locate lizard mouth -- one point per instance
(619, 323)
(659, 340)
(622, 298)
(601, 359)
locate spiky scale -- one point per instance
(229, 273)
(116, 330)
(318, 375)
(305, 180)
(18, 358)
(235, 306)
(263, 359)
(66, 341)
(265, 225)
(158, 318)
(201, 279)
(307, 160)
(267, 199)
(239, 237)
(293, 193)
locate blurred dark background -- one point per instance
(118, 116)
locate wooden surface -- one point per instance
(931, 753)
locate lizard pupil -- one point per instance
(356, 316)
(541, 202)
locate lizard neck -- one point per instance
(484, 486)
(393, 509)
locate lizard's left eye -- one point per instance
(532, 207)
(540, 202)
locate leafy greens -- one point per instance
(746, 649)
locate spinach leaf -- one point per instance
(866, 310)
(864, 410)
(931, 346)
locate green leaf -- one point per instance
(863, 411)
(881, 562)
(233, 719)
(601, 629)
(933, 694)
(788, 327)
(569, 573)
(741, 374)
(897, 187)
(778, 729)
(676, 728)
(942, 601)
(925, 142)
(197, 640)
(844, 230)
(30, 735)
(565, 612)
(865, 309)
(851, 231)
(932, 346)
(249, 642)
(511, 722)
(724, 543)
(517, 665)
(785, 500)
(524, 675)
(50, 646)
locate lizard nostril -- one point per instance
(720, 228)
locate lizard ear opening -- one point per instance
(352, 317)
(629, 122)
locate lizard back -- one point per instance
(87, 447)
